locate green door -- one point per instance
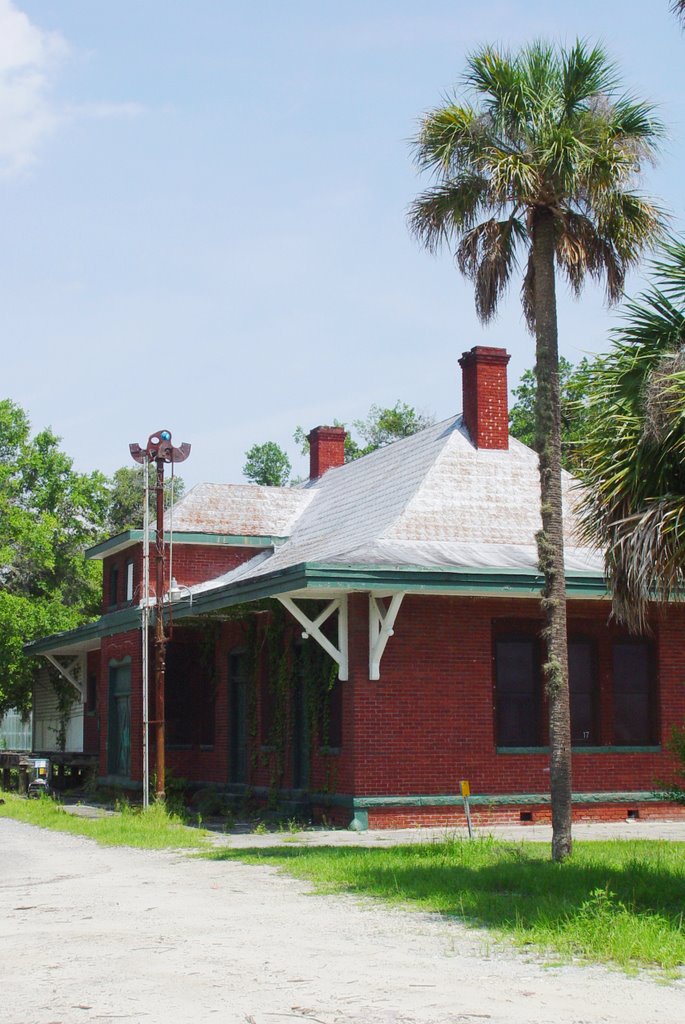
(119, 731)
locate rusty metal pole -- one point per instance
(160, 638)
(159, 450)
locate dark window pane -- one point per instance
(178, 694)
(330, 722)
(583, 690)
(634, 693)
(516, 666)
(189, 692)
(267, 702)
(238, 710)
(114, 584)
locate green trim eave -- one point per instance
(416, 579)
(653, 748)
(317, 576)
(230, 540)
(114, 622)
(481, 799)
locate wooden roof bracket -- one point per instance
(71, 667)
(312, 627)
(381, 623)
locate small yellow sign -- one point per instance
(465, 787)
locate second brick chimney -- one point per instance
(485, 396)
(326, 450)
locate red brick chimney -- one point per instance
(485, 396)
(326, 450)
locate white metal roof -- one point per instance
(429, 500)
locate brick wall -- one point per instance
(326, 450)
(192, 563)
(485, 398)
(430, 720)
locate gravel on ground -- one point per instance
(93, 934)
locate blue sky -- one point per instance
(203, 211)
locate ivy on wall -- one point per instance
(278, 661)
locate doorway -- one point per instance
(237, 731)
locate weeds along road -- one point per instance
(113, 934)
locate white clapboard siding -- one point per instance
(46, 719)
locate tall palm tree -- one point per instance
(634, 457)
(541, 163)
(678, 7)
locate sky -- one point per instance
(203, 209)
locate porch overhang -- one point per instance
(317, 580)
(87, 637)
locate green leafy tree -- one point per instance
(576, 413)
(127, 497)
(267, 464)
(382, 426)
(540, 163)
(634, 456)
(48, 515)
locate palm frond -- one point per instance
(487, 256)
(633, 464)
(448, 138)
(646, 558)
(445, 211)
(528, 294)
(585, 73)
(664, 399)
(678, 8)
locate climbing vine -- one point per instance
(66, 698)
(278, 661)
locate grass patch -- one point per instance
(153, 829)
(618, 902)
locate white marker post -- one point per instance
(465, 788)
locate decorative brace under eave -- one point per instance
(381, 622)
(312, 628)
(73, 669)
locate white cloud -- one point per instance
(105, 110)
(29, 60)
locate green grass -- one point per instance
(153, 829)
(620, 903)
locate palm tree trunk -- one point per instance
(551, 538)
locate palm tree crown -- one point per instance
(634, 456)
(549, 131)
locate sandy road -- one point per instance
(89, 934)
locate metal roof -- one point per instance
(429, 513)
(430, 500)
(238, 509)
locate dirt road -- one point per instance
(90, 935)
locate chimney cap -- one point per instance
(326, 431)
(484, 354)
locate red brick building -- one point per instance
(368, 640)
